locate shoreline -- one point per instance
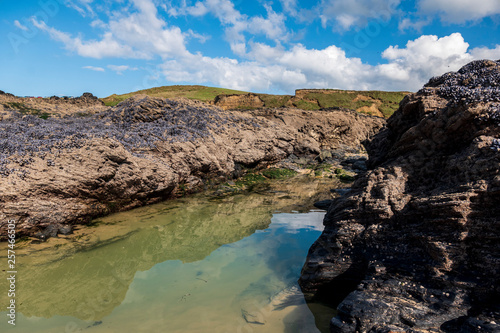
(106, 164)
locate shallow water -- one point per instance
(198, 264)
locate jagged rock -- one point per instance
(415, 245)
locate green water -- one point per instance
(198, 264)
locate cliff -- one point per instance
(415, 245)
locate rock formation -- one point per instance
(61, 171)
(51, 107)
(248, 101)
(415, 245)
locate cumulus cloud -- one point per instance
(226, 72)
(140, 34)
(236, 24)
(460, 11)
(347, 14)
(425, 57)
(486, 53)
(279, 69)
(282, 67)
(273, 68)
(93, 68)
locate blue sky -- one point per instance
(67, 47)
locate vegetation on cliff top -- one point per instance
(200, 93)
(381, 103)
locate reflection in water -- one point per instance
(191, 265)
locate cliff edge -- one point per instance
(415, 245)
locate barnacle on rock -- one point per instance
(137, 123)
(478, 81)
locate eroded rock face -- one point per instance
(62, 171)
(227, 102)
(415, 245)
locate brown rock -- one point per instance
(250, 101)
(111, 169)
(415, 245)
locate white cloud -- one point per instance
(486, 53)
(347, 14)
(20, 26)
(273, 68)
(226, 72)
(236, 24)
(119, 69)
(93, 68)
(416, 25)
(278, 69)
(200, 37)
(108, 46)
(81, 6)
(140, 34)
(460, 11)
(302, 14)
(423, 58)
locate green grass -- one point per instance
(389, 100)
(200, 93)
(306, 105)
(312, 100)
(274, 101)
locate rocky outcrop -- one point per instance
(415, 245)
(87, 99)
(62, 171)
(247, 101)
(54, 106)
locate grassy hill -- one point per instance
(200, 93)
(379, 103)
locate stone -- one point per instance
(427, 211)
(323, 204)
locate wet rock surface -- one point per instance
(62, 171)
(415, 245)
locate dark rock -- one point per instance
(417, 239)
(6, 94)
(359, 166)
(341, 191)
(323, 204)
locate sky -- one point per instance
(67, 47)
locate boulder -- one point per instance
(415, 245)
